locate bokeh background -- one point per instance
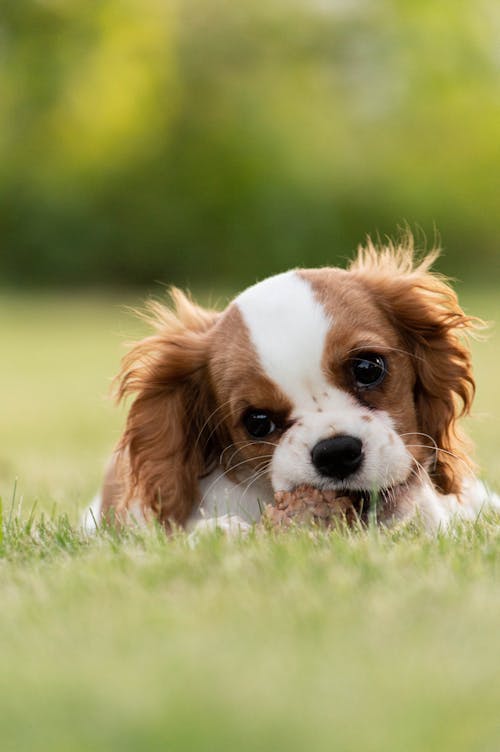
(209, 143)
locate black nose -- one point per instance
(338, 457)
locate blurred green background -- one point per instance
(211, 142)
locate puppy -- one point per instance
(351, 380)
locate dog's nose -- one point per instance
(338, 457)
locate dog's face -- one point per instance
(332, 378)
(317, 384)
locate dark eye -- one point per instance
(369, 370)
(258, 423)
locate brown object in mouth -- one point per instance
(306, 505)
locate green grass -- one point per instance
(373, 641)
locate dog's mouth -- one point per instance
(374, 501)
(376, 504)
(370, 505)
(304, 503)
(365, 503)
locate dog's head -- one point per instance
(340, 379)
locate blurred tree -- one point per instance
(208, 140)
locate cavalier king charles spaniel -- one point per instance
(348, 380)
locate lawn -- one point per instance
(374, 641)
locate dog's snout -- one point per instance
(338, 457)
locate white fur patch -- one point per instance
(221, 499)
(288, 328)
(439, 513)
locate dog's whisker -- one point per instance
(215, 427)
(433, 445)
(212, 414)
(248, 460)
(262, 473)
(444, 451)
(247, 444)
(228, 447)
(419, 471)
(259, 476)
(235, 447)
(419, 433)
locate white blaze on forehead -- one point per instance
(288, 328)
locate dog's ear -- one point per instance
(162, 451)
(422, 306)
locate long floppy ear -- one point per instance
(161, 450)
(425, 310)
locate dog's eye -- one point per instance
(369, 370)
(258, 423)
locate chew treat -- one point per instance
(306, 505)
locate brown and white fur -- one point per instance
(289, 350)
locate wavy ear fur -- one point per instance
(161, 454)
(425, 310)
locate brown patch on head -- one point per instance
(388, 302)
(432, 326)
(360, 325)
(239, 383)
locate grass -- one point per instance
(373, 641)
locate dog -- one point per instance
(346, 379)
